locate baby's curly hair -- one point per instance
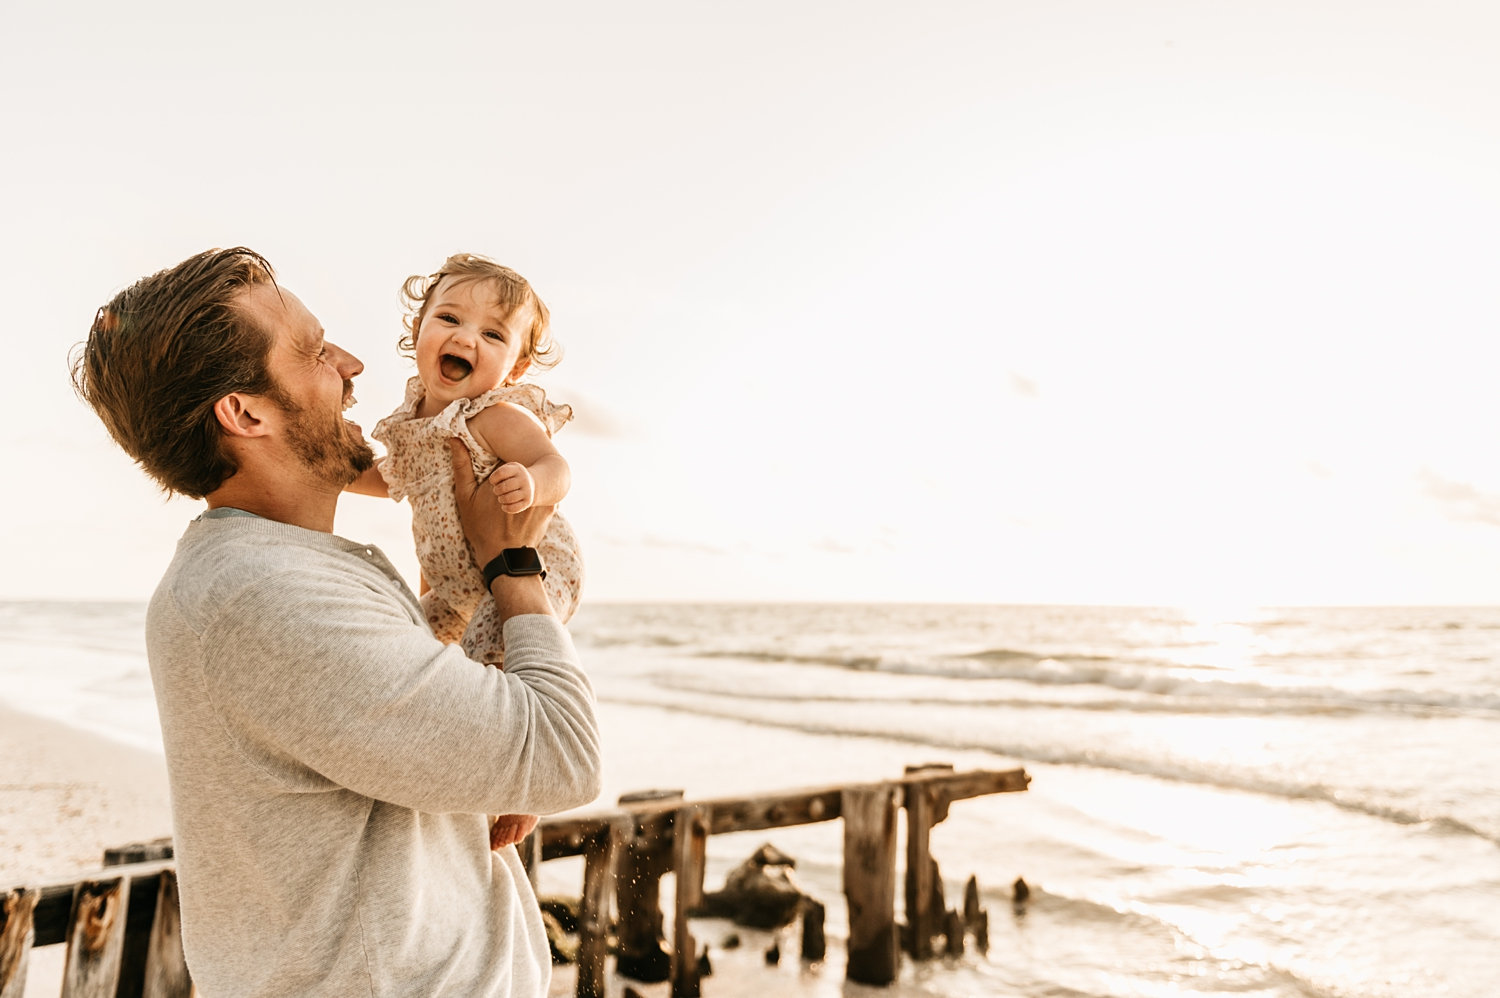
(512, 291)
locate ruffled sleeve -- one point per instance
(409, 466)
(396, 432)
(528, 396)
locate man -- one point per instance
(331, 763)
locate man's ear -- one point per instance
(522, 366)
(236, 413)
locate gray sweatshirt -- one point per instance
(332, 765)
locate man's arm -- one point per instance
(489, 530)
(323, 681)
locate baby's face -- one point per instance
(467, 344)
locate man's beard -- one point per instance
(326, 445)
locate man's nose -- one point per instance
(345, 362)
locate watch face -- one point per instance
(522, 561)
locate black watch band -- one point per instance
(514, 561)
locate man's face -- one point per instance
(316, 380)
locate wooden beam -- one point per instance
(777, 810)
(570, 835)
(139, 852)
(974, 783)
(55, 905)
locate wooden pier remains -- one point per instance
(121, 928)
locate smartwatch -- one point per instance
(514, 561)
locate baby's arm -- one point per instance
(370, 483)
(534, 473)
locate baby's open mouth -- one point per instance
(454, 368)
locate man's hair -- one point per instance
(164, 351)
(512, 291)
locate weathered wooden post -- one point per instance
(17, 930)
(976, 919)
(140, 912)
(646, 857)
(925, 807)
(96, 938)
(870, 881)
(953, 932)
(814, 941)
(689, 854)
(166, 967)
(600, 856)
(921, 871)
(530, 851)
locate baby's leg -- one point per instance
(445, 622)
(484, 641)
(564, 582)
(510, 829)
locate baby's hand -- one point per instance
(510, 829)
(514, 486)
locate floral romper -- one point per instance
(418, 467)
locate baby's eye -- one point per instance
(492, 334)
(447, 317)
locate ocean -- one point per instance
(1279, 803)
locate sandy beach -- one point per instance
(68, 795)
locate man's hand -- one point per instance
(514, 486)
(488, 528)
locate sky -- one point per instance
(1074, 301)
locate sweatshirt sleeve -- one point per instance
(322, 683)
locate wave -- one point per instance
(1244, 707)
(131, 645)
(1016, 655)
(1220, 972)
(1205, 695)
(859, 663)
(1171, 680)
(1064, 755)
(593, 639)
